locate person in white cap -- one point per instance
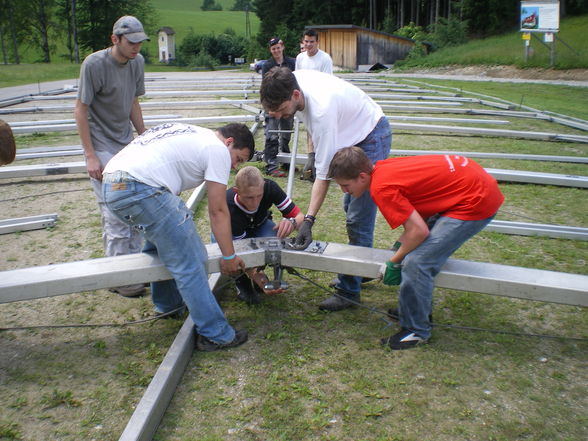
(111, 80)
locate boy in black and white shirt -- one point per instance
(250, 201)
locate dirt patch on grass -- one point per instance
(304, 375)
(510, 72)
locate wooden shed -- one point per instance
(352, 46)
(166, 39)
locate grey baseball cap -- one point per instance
(131, 28)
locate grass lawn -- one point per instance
(304, 374)
(508, 49)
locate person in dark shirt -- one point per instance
(250, 201)
(275, 141)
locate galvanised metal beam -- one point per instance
(27, 223)
(486, 278)
(21, 171)
(448, 120)
(539, 178)
(500, 175)
(529, 229)
(517, 156)
(150, 410)
(544, 136)
(144, 105)
(148, 123)
(70, 121)
(89, 275)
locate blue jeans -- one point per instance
(169, 232)
(422, 264)
(274, 142)
(361, 212)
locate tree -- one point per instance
(210, 5)
(242, 5)
(95, 19)
(13, 14)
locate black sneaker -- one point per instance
(333, 283)
(246, 291)
(405, 339)
(339, 301)
(394, 314)
(206, 345)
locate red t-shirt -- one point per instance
(451, 185)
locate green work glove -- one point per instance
(396, 246)
(393, 274)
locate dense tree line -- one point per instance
(83, 24)
(287, 18)
(86, 24)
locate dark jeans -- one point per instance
(275, 141)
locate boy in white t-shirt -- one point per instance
(141, 185)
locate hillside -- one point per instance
(571, 51)
(185, 16)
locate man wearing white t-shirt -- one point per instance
(337, 114)
(141, 186)
(313, 58)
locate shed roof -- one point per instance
(358, 28)
(167, 30)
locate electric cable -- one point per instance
(43, 194)
(159, 316)
(387, 319)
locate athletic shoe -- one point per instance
(339, 301)
(207, 345)
(137, 290)
(405, 339)
(277, 173)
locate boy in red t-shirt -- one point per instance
(440, 200)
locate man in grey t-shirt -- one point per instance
(111, 80)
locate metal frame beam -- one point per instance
(517, 156)
(148, 123)
(486, 278)
(27, 223)
(547, 230)
(500, 175)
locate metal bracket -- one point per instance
(273, 256)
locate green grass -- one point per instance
(185, 16)
(181, 15)
(508, 49)
(306, 375)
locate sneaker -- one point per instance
(137, 290)
(277, 173)
(333, 283)
(339, 301)
(246, 290)
(405, 339)
(207, 345)
(394, 314)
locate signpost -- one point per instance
(543, 17)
